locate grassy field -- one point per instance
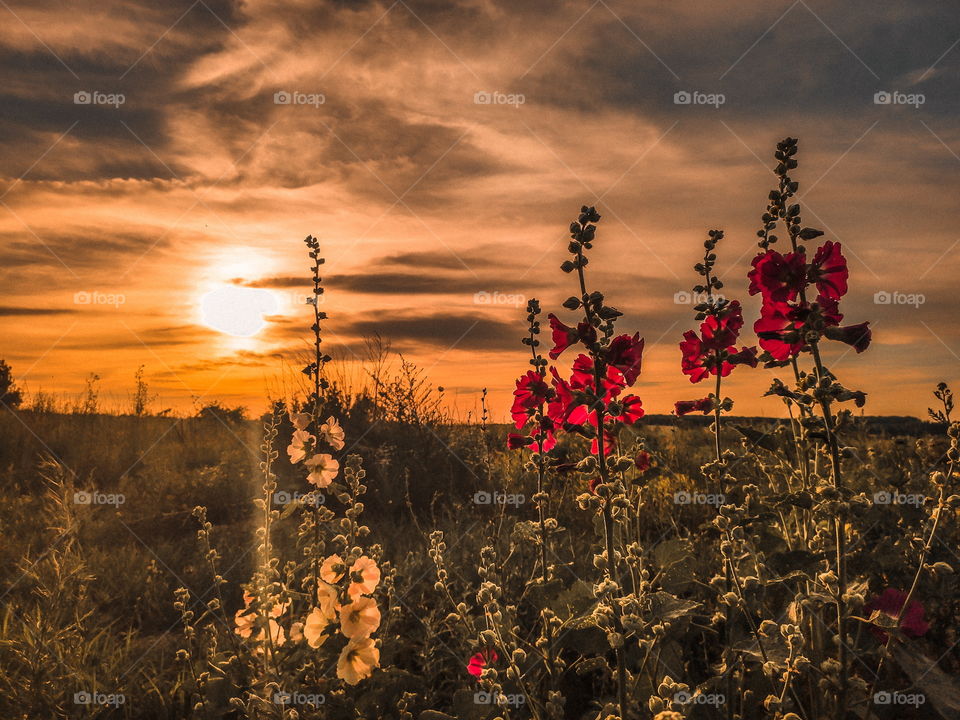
(88, 581)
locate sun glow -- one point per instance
(237, 311)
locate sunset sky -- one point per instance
(185, 175)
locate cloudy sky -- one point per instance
(157, 152)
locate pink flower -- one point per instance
(479, 661)
(297, 447)
(890, 603)
(323, 469)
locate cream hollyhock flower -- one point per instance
(360, 618)
(332, 432)
(332, 569)
(244, 622)
(314, 626)
(300, 420)
(328, 600)
(296, 632)
(369, 577)
(358, 660)
(296, 449)
(323, 469)
(245, 618)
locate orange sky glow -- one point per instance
(157, 152)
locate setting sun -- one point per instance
(236, 310)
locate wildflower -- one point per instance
(583, 378)
(369, 576)
(779, 278)
(564, 407)
(625, 353)
(857, 336)
(631, 410)
(332, 433)
(300, 420)
(516, 441)
(358, 660)
(314, 627)
(713, 351)
(704, 405)
(323, 469)
(642, 461)
(244, 622)
(829, 271)
(564, 336)
(532, 391)
(332, 569)
(297, 448)
(245, 618)
(890, 603)
(328, 599)
(360, 618)
(296, 632)
(478, 662)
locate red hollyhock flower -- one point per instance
(564, 407)
(857, 336)
(781, 326)
(715, 351)
(544, 439)
(625, 353)
(642, 461)
(479, 661)
(780, 278)
(632, 410)
(532, 390)
(609, 444)
(564, 336)
(516, 442)
(583, 378)
(890, 603)
(704, 405)
(829, 271)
